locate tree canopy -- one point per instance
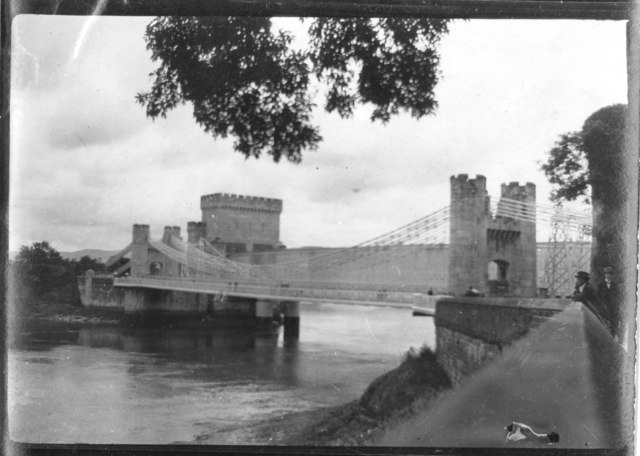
(583, 162)
(591, 164)
(41, 274)
(246, 80)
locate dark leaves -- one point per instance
(584, 162)
(245, 80)
(566, 167)
(391, 63)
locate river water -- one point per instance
(71, 383)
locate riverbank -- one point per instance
(389, 399)
(68, 313)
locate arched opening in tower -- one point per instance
(497, 275)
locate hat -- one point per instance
(608, 269)
(582, 275)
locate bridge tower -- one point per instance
(468, 239)
(511, 243)
(140, 251)
(495, 255)
(241, 223)
(195, 232)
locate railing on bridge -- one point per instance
(208, 267)
(289, 291)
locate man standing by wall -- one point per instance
(585, 293)
(606, 292)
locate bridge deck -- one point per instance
(286, 292)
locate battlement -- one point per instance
(241, 202)
(170, 231)
(462, 182)
(140, 234)
(514, 190)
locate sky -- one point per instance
(86, 163)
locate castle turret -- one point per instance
(140, 250)
(468, 227)
(242, 223)
(517, 242)
(195, 232)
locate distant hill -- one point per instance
(100, 255)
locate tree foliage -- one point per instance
(566, 168)
(583, 162)
(42, 275)
(246, 80)
(591, 163)
(40, 268)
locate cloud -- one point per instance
(86, 163)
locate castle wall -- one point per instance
(243, 223)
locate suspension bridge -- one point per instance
(202, 268)
(231, 261)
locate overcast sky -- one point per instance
(86, 163)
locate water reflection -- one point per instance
(107, 384)
(40, 335)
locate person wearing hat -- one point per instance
(607, 286)
(585, 293)
(607, 291)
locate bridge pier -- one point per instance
(264, 313)
(291, 319)
(143, 304)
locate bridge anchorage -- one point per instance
(233, 263)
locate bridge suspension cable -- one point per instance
(204, 259)
(568, 248)
(542, 214)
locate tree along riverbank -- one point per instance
(389, 399)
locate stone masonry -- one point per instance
(241, 223)
(495, 255)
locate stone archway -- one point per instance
(498, 277)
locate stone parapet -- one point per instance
(495, 320)
(470, 332)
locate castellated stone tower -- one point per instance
(512, 242)
(140, 250)
(468, 227)
(195, 232)
(241, 223)
(494, 254)
(170, 231)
